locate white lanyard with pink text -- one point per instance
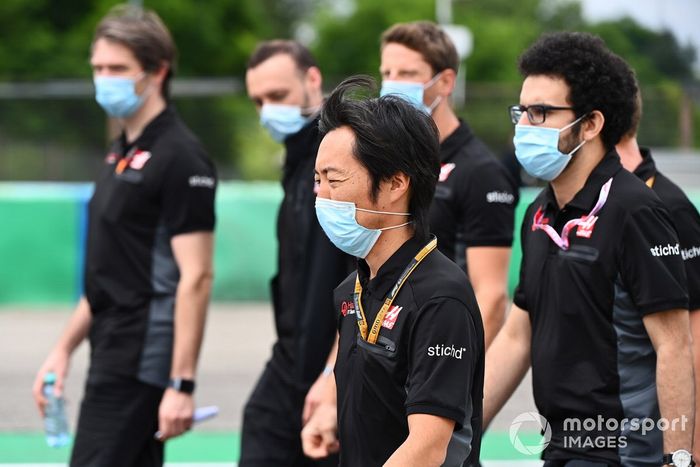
(563, 240)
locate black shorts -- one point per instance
(271, 435)
(118, 418)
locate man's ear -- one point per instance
(399, 186)
(592, 125)
(446, 82)
(160, 74)
(314, 78)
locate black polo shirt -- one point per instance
(475, 197)
(157, 187)
(309, 267)
(429, 359)
(591, 354)
(686, 220)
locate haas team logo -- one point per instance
(445, 171)
(585, 228)
(139, 159)
(347, 308)
(391, 316)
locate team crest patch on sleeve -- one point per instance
(391, 316)
(139, 159)
(585, 229)
(347, 308)
(111, 158)
(445, 171)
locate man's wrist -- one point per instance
(678, 458)
(183, 385)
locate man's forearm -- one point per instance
(426, 444)
(417, 453)
(676, 393)
(488, 274)
(492, 302)
(507, 362)
(77, 328)
(191, 304)
(695, 333)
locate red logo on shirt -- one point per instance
(539, 219)
(585, 229)
(347, 308)
(391, 316)
(445, 171)
(111, 158)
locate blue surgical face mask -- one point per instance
(337, 219)
(411, 92)
(117, 95)
(537, 150)
(282, 121)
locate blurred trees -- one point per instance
(50, 39)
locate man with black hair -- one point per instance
(409, 370)
(686, 221)
(284, 82)
(601, 309)
(148, 264)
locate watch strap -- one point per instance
(182, 385)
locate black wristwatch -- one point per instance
(679, 458)
(182, 385)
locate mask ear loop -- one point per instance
(149, 87)
(571, 153)
(438, 99)
(383, 212)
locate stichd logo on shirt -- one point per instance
(441, 350)
(201, 181)
(665, 250)
(502, 197)
(690, 253)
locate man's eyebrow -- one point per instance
(328, 169)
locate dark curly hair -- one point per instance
(391, 136)
(597, 78)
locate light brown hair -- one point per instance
(429, 40)
(144, 33)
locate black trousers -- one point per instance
(271, 435)
(117, 421)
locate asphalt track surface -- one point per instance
(237, 343)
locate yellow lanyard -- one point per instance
(361, 320)
(650, 181)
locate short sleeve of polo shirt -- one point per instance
(687, 222)
(188, 195)
(443, 354)
(650, 265)
(519, 298)
(488, 209)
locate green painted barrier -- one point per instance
(214, 446)
(41, 241)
